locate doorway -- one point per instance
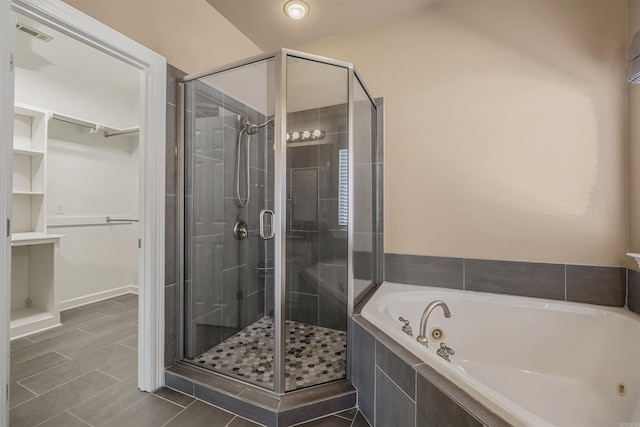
(59, 16)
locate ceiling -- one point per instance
(62, 53)
(265, 23)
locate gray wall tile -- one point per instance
(173, 74)
(436, 409)
(424, 270)
(396, 369)
(393, 407)
(303, 308)
(179, 383)
(596, 285)
(170, 152)
(634, 291)
(170, 235)
(363, 350)
(170, 324)
(315, 410)
(515, 278)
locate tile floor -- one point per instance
(84, 373)
(314, 355)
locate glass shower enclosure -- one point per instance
(278, 213)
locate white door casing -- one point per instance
(64, 18)
(7, 49)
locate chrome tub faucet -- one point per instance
(422, 338)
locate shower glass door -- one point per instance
(228, 217)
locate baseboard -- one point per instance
(98, 296)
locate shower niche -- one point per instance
(280, 219)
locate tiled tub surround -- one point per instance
(519, 357)
(395, 388)
(564, 282)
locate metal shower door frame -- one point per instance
(280, 197)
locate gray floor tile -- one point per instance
(67, 326)
(86, 309)
(126, 298)
(131, 307)
(107, 323)
(124, 367)
(242, 422)
(102, 407)
(21, 343)
(36, 365)
(348, 414)
(151, 411)
(58, 400)
(18, 394)
(47, 345)
(174, 396)
(360, 421)
(200, 414)
(87, 345)
(330, 421)
(65, 419)
(64, 373)
(131, 341)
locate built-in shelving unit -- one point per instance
(34, 252)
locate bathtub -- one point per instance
(531, 361)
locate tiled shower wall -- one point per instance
(171, 293)
(316, 241)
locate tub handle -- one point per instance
(406, 328)
(445, 352)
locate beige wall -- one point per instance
(506, 128)
(634, 144)
(191, 34)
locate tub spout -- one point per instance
(422, 338)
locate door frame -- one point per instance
(66, 19)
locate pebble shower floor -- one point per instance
(314, 355)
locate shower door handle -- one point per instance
(267, 231)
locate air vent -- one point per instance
(34, 33)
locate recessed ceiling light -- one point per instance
(296, 9)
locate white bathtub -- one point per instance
(531, 361)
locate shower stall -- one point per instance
(279, 216)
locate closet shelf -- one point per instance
(28, 193)
(28, 152)
(33, 238)
(27, 316)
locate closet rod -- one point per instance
(124, 132)
(74, 122)
(94, 128)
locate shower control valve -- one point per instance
(240, 230)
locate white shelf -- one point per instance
(28, 193)
(28, 320)
(33, 238)
(28, 152)
(34, 252)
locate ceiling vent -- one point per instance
(34, 33)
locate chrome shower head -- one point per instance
(252, 129)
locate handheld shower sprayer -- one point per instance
(244, 126)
